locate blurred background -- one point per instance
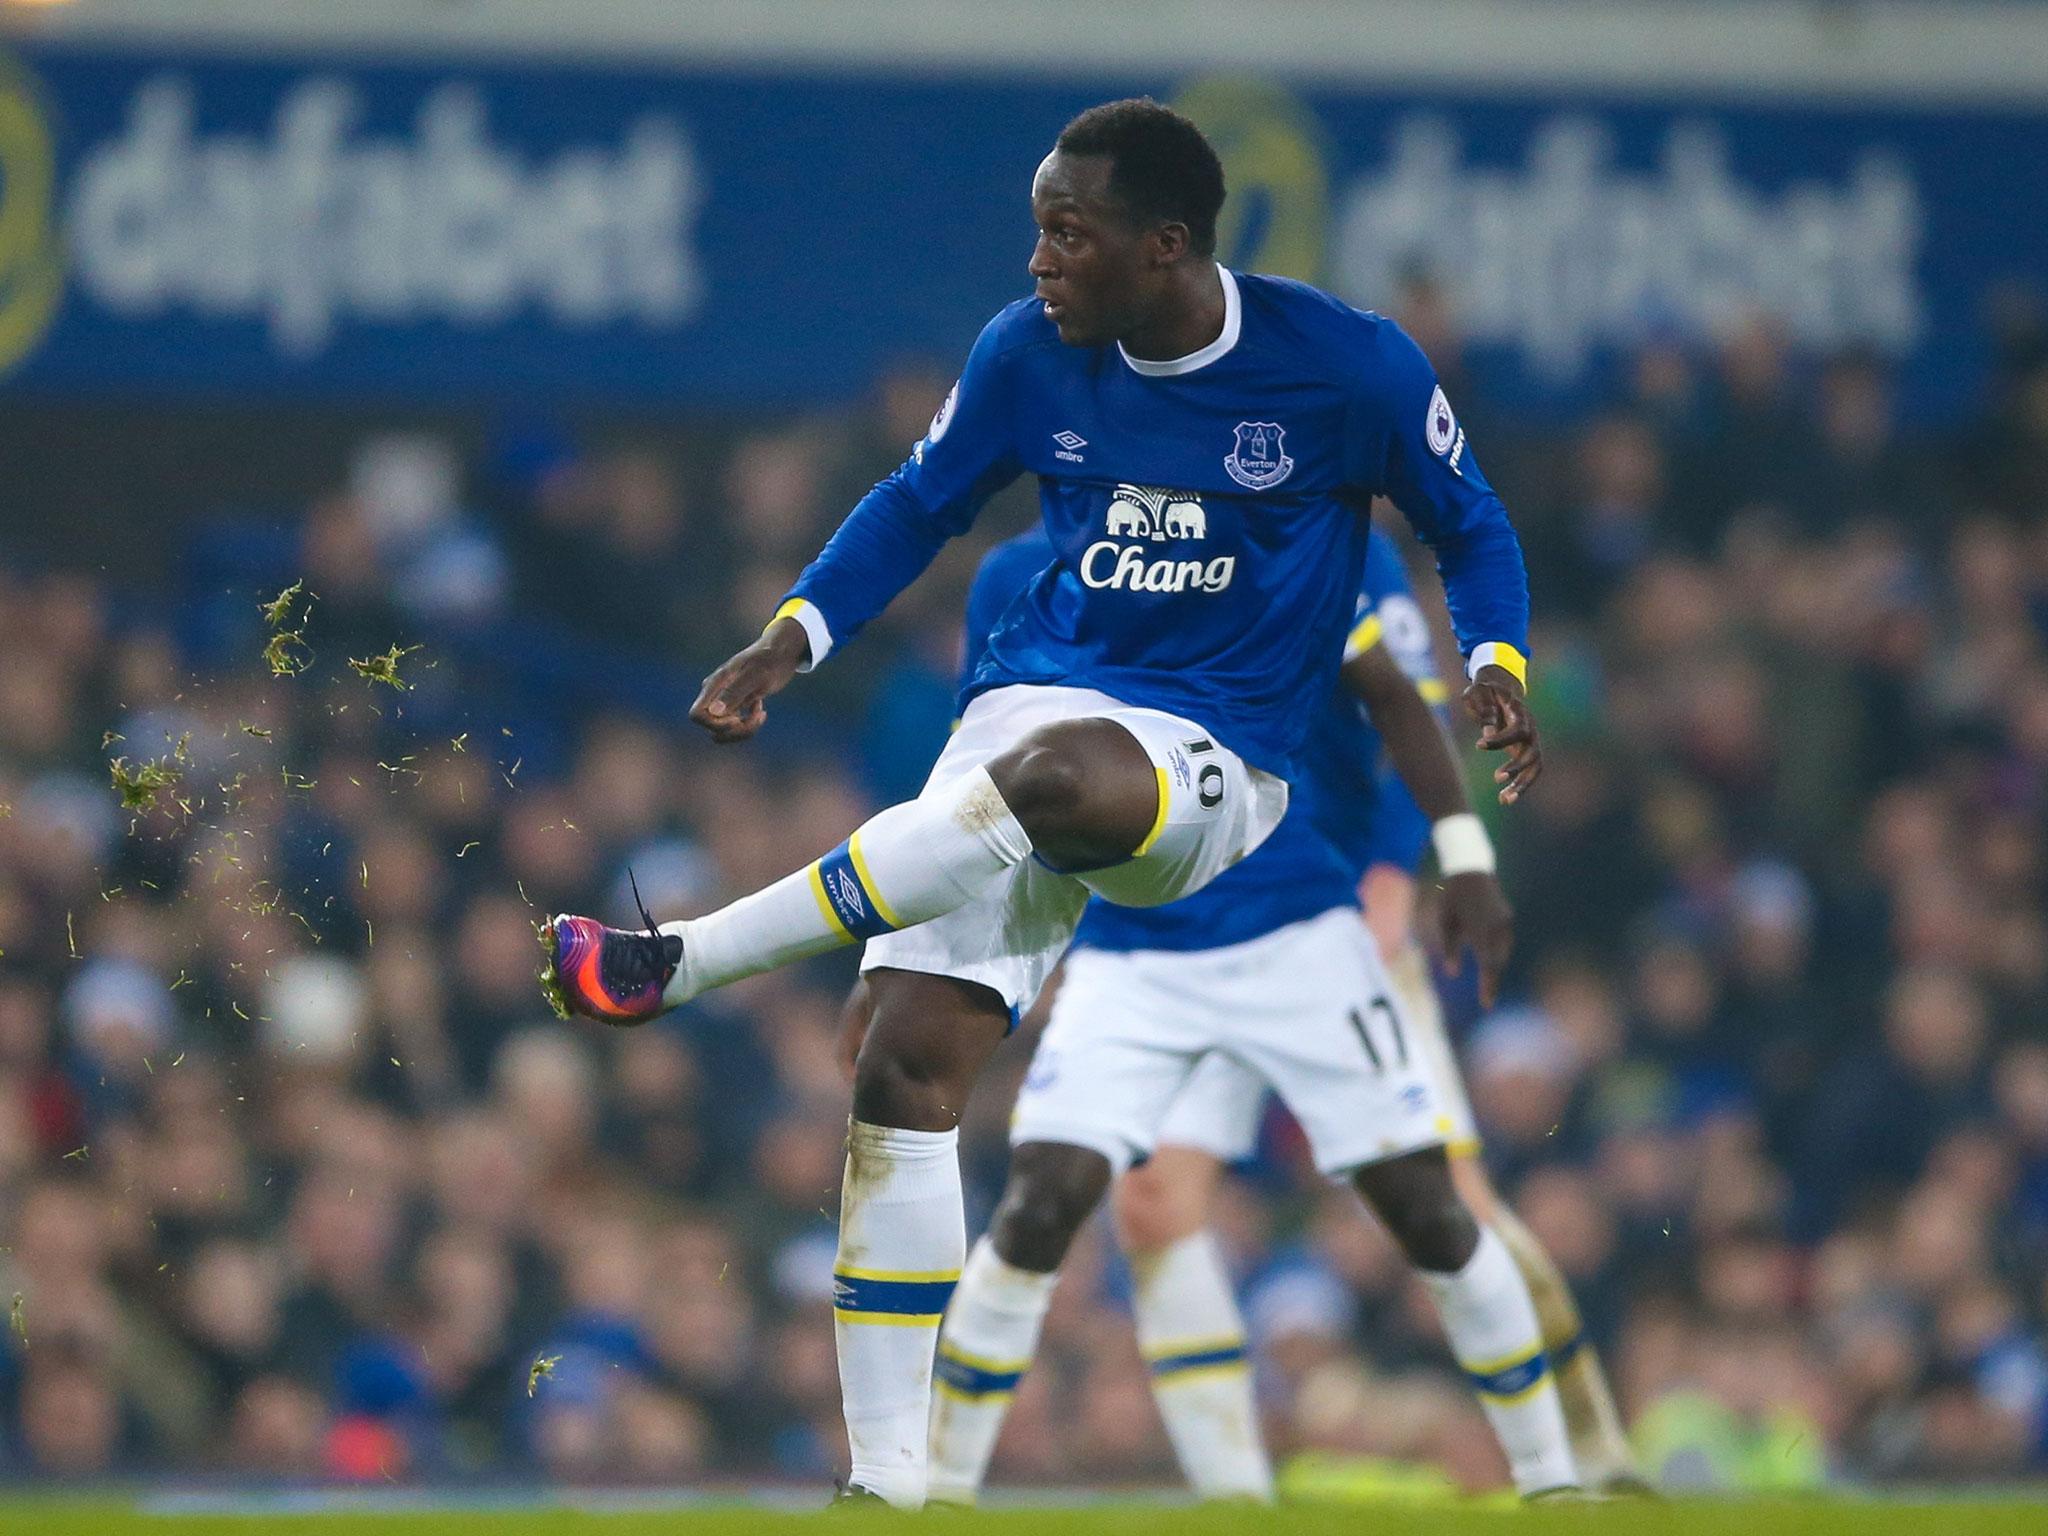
(543, 343)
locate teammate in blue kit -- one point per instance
(1207, 445)
(1165, 1034)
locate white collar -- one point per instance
(1233, 318)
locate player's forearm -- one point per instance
(1486, 587)
(884, 545)
(1415, 742)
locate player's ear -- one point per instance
(1169, 243)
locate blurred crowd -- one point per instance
(299, 1179)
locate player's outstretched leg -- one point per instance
(991, 1329)
(1486, 1311)
(902, 1232)
(1082, 793)
(1189, 1328)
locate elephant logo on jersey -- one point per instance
(1149, 512)
(1259, 461)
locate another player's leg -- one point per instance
(991, 1329)
(1371, 1106)
(1189, 1327)
(902, 1232)
(1486, 1309)
(1599, 1443)
(1082, 793)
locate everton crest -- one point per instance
(1259, 461)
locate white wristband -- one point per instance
(1462, 846)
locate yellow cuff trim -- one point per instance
(1363, 637)
(1158, 820)
(1498, 653)
(793, 609)
(825, 906)
(860, 867)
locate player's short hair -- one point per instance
(1161, 167)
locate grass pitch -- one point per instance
(55, 1516)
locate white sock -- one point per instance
(1192, 1335)
(908, 864)
(902, 1236)
(1493, 1331)
(985, 1346)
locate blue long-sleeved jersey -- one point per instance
(1349, 810)
(1207, 516)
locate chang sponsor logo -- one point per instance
(1153, 513)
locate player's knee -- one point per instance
(1042, 781)
(901, 1088)
(1052, 1191)
(1439, 1237)
(1417, 1200)
(1153, 1213)
(1083, 790)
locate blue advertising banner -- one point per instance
(491, 232)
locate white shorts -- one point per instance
(1415, 989)
(1223, 1103)
(1214, 809)
(1307, 1010)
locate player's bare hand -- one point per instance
(855, 1016)
(1496, 700)
(1476, 916)
(733, 703)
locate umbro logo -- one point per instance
(1070, 446)
(849, 893)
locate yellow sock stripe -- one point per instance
(825, 903)
(1433, 690)
(972, 1379)
(1512, 1362)
(1365, 634)
(901, 1298)
(949, 1351)
(1204, 1346)
(1158, 820)
(1511, 1379)
(1200, 1373)
(946, 1389)
(867, 880)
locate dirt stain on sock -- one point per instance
(982, 810)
